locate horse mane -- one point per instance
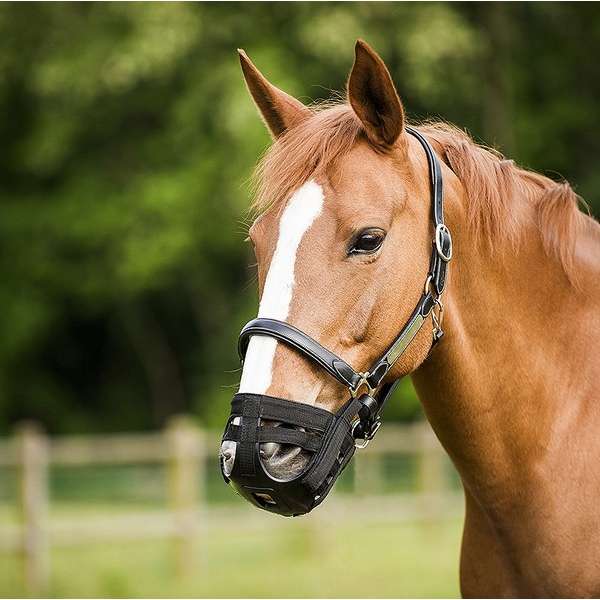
(492, 183)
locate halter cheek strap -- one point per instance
(428, 304)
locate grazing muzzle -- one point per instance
(328, 439)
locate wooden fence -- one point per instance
(184, 449)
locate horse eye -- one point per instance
(367, 241)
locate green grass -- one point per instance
(243, 553)
(298, 558)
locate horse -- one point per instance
(343, 238)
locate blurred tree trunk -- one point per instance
(158, 361)
(495, 18)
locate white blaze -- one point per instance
(303, 208)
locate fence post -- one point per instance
(368, 473)
(431, 470)
(185, 478)
(33, 497)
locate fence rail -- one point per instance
(184, 449)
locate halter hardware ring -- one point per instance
(440, 306)
(361, 443)
(442, 231)
(437, 319)
(427, 287)
(363, 381)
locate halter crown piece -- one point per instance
(330, 438)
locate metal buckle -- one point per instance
(364, 442)
(440, 231)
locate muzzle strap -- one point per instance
(257, 410)
(280, 435)
(278, 409)
(339, 442)
(248, 438)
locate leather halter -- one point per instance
(430, 298)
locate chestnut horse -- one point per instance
(343, 243)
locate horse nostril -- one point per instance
(268, 450)
(283, 461)
(228, 457)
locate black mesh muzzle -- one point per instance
(327, 436)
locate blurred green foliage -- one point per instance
(127, 143)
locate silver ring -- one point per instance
(428, 283)
(439, 231)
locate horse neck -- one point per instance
(510, 380)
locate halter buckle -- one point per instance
(363, 442)
(443, 239)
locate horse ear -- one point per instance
(279, 110)
(373, 97)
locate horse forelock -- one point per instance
(304, 152)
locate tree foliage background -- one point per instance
(127, 140)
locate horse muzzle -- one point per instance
(329, 441)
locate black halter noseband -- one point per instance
(331, 438)
(433, 288)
